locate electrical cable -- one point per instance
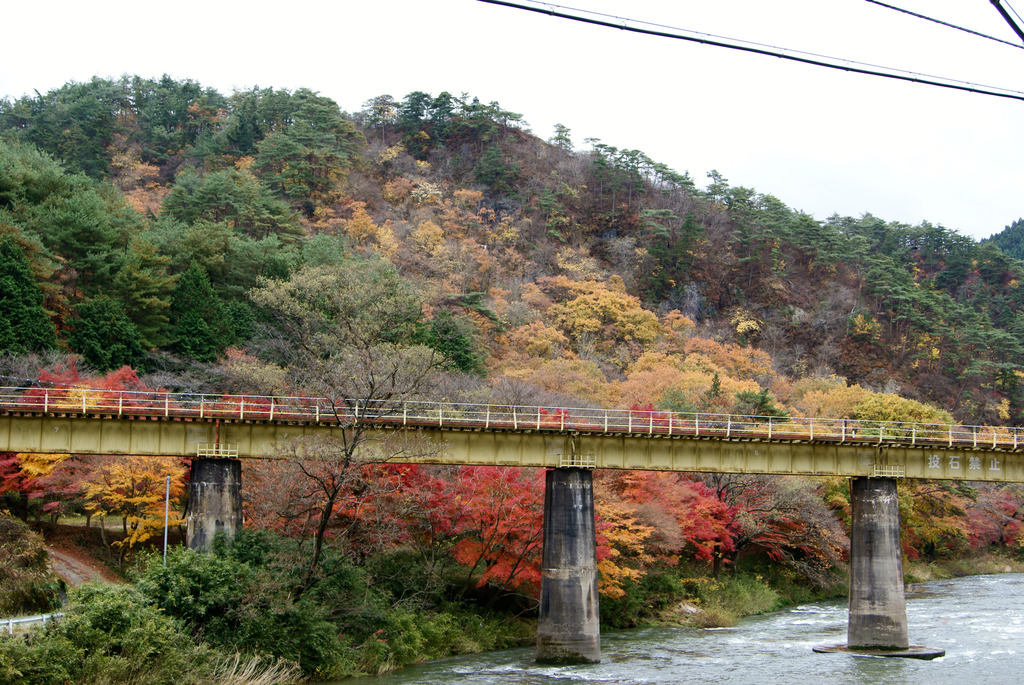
(1019, 18)
(944, 23)
(760, 49)
(1009, 20)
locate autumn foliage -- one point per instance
(131, 489)
(433, 248)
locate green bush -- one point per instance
(251, 596)
(235, 606)
(113, 634)
(725, 601)
(27, 585)
(108, 634)
(644, 601)
(40, 658)
(125, 638)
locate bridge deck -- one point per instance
(167, 424)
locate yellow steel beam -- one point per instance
(170, 438)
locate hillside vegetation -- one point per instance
(159, 234)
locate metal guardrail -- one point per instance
(447, 415)
(889, 471)
(217, 451)
(40, 618)
(579, 461)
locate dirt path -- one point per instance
(76, 568)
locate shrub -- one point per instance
(27, 585)
(112, 634)
(236, 606)
(108, 634)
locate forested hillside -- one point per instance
(264, 241)
(131, 202)
(1011, 239)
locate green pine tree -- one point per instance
(454, 338)
(202, 326)
(104, 335)
(24, 324)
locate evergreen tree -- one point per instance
(144, 286)
(454, 339)
(496, 171)
(235, 198)
(105, 336)
(750, 403)
(82, 223)
(304, 161)
(1011, 239)
(202, 326)
(412, 122)
(24, 323)
(562, 138)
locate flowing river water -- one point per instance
(979, 621)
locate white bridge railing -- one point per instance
(468, 416)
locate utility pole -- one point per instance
(167, 511)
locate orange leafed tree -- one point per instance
(67, 387)
(684, 516)
(502, 526)
(621, 546)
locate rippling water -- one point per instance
(979, 621)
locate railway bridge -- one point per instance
(216, 432)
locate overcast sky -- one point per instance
(822, 141)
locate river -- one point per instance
(979, 621)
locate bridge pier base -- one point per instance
(878, 606)
(569, 630)
(214, 501)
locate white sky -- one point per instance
(820, 140)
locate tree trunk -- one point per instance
(318, 538)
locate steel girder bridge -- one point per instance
(90, 421)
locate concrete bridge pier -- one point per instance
(214, 501)
(878, 606)
(569, 630)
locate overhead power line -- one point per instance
(1015, 12)
(946, 23)
(624, 24)
(1009, 20)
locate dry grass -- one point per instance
(255, 670)
(715, 617)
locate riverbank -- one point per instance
(978, 564)
(978, 620)
(722, 603)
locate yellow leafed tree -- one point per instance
(622, 551)
(35, 465)
(590, 307)
(134, 489)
